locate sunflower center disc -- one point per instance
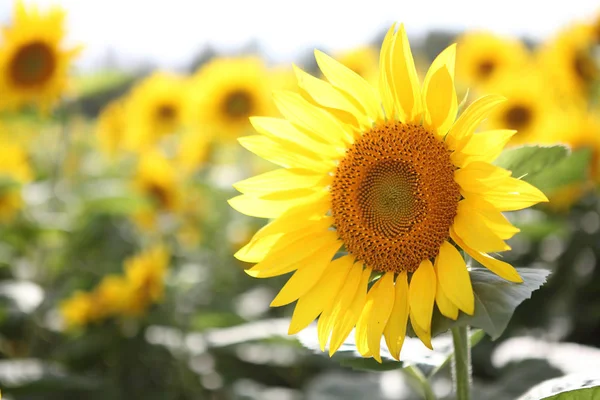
(518, 117)
(394, 197)
(486, 68)
(166, 113)
(238, 104)
(33, 64)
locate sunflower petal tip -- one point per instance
(253, 274)
(292, 330)
(427, 343)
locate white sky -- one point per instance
(169, 33)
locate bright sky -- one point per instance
(170, 33)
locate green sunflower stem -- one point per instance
(423, 384)
(461, 363)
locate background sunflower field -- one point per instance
(117, 157)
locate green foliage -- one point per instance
(547, 168)
(570, 387)
(495, 301)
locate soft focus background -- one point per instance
(118, 123)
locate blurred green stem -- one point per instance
(461, 363)
(422, 380)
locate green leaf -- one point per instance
(495, 301)
(527, 161)
(530, 160)
(570, 387)
(570, 170)
(547, 168)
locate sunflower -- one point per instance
(145, 274)
(379, 182)
(157, 181)
(14, 172)
(225, 92)
(484, 55)
(569, 61)
(193, 151)
(154, 109)
(80, 309)
(34, 65)
(362, 60)
(531, 107)
(111, 126)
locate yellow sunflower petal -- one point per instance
(295, 218)
(334, 312)
(454, 278)
(402, 74)
(344, 326)
(509, 195)
(465, 125)
(422, 334)
(447, 308)
(281, 129)
(500, 268)
(294, 255)
(471, 227)
(370, 326)
(311, 119)
(439, 94)
(281, 180)
(279, 244)
(484, 146)
(306, 276)
(325, 94)
(310, 305)
(421, 294)
(385, 87)
(285, 154)
(261, 208)
(497, 222)
(352, 84)
(478, 176)
(395, 330)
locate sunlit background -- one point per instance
(118, 153)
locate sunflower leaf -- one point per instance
(546, 167)
(527, 161)
(569, 170)
(495, 301)
(570, 387)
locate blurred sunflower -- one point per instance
(157, 181)
(193, 151)
(34, 65)
(224, 92)
(14, 171)
(393, 184)
(145, 274)
(113, 296)
(154, 109)
(111, 126)
(484, 55)
(79, 309)
(363, 60)
(569, 61)
(531, 107)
